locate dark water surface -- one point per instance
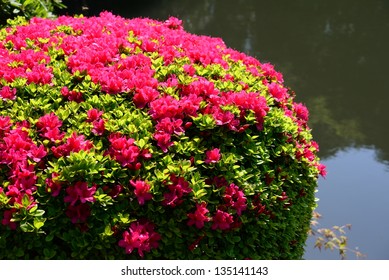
(335, 55)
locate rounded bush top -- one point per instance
(149, 140)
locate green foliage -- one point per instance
(28, 9)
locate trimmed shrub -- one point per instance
(135, 139)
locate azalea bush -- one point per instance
(127, 139)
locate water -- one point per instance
(334, 54)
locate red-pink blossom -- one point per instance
(74, 143)
(124, 151)
(98, 127)
(80, 192)
(198, 218)
(163, 140)
(278, 92)
(37, 153)
(189, 69)
(222, 220)
(322, 170)
(174, 23)
(49, 127)
(140, 236)
(72, 95)
(144, 96)
(142, 191)
(7, 93)
(48, 122)
(268, 71)
(24, 178)
(94, 115)
(301, 111)
(5, 125)
(170, 126)
(177, 189)
(235, 198)
(115, 191)
(166, 107)
(212, 156)
(6, 221)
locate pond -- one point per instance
(334, 55)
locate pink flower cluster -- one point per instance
(72, 95)
(20, 154)
(140, 236)
(178, 188)
(199, 217)
(222, 219)
(142, 191)
(49, 127)
(235, 198)
(74, 143)
(212, 156)
(94, 116)
(77, 196)
(26, 63)
(124, 151)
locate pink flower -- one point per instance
(268, 71)
(48, 126)
(124, 151)
(177, 190)
(199, 216)
(74, 143)
(322, 170)
(142, 191)
(174, 23)
(37, 153)
(189, 69)
(8, 215)
(301, 111)
(235, 198)
(72, 95)
(222, 220)
(278, 92)
(170, 126)
(24, 178)
(5, 125)
(163, 140)
(7, 93)
(212, 156)
(53, 135)
(80, 192)
(166, 107)
(48, 122)
(98, 127)
(144, 96)
(94, 115)
(115, 191)
(141, 236)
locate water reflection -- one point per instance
(334, 54)
(355, 192)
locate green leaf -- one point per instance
(49, 253)
(38, 223)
